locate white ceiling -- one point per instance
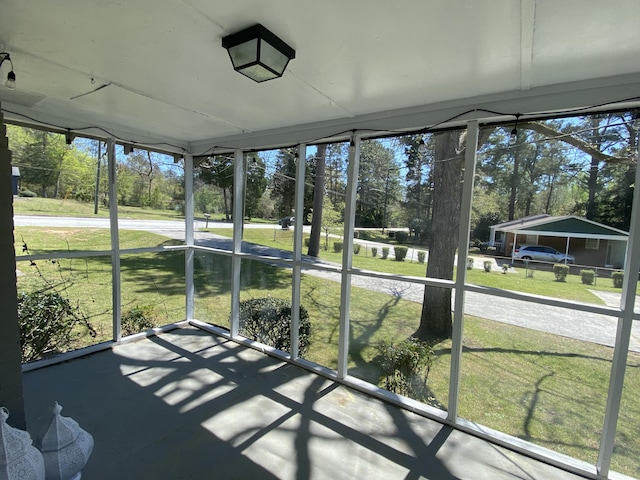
(359, 64)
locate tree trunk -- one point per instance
(435, 322)
(318, 197)
(226, 203)
(515, 178)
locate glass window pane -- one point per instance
(212, 284)
(153, 290)
(546, 388)
(80, 287)
(384, 315)
(265, 303)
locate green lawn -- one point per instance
(73, 208)
(544, 388)
(542, 283)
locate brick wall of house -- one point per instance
(11, 396)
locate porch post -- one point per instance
(116, 291)
(461, 270)
(238, 221)
(189, 227)
(11, 395)
(297, 251)
(347, 255)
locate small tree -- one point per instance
(618, 277)
(356, 248)
(385, 252)
(560, 270)
(331, 218)
(374, 251)
(400, 253)
(401, 236)
(487, 264)
(268, 320)
(405, 365)
(421, 256)
(587, 276)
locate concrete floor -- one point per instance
(190, 405)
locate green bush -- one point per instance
(48, 324)
(307, 241)
(560, 270)
(356, 248)
(587, 276)
(385, 252)
(618, 277)
(400, 253)
(337, 247)
(405, 365)
(401, 236)
(374, 251)
(421, 256)
(268, 320)
(137, 320)
(470, 262)
(487, 264)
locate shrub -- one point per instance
(47, 323)
(385, 252)
(587, 276)
(470, 262)
(487, 265)
(356, 248)
(337, 247)
(560, 270)
(401, 236)
(268, 320)
(405, 365)
(374, 251)
(307, 241)
(400, 253)
(505, 268)
(617, 276)
(137, 320)
(421, 256)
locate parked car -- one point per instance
(541, 253)
(286, 222)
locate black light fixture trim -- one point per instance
(255, 62)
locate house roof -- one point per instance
(564, 226)
(153, 72)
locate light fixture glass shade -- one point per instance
(11, 80)
(258, 53)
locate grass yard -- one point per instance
(547, 389)
(543, 282)
(73, 208)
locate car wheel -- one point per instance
(526, 258)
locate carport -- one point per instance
(592, 243)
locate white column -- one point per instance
(347, 256)
(238, 202)
(116, 290)
(461, 269)
(623, 333)
(297, 250)
(189, 252)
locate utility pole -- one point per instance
(97, 193)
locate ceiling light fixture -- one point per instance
(258, 53)
(11, 77)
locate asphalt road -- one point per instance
(584, 326)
